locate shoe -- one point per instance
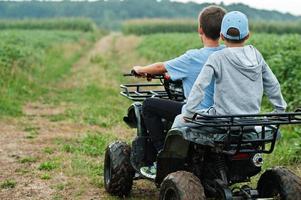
(150, 171)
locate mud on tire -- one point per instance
(118, 172)
(279, 182)
(181, 185)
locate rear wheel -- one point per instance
(118, 172)
(181, 185)
(279, 183)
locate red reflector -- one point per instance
(241, 156)
(166, 77)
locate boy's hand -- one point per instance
(138, 70)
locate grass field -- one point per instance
(61, 106)
(31, 60)
(152, 26)
(71, 24)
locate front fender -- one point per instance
(133, 117)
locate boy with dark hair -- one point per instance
(241, 76)
(186, 68)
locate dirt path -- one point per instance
(29, 142)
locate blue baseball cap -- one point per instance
(238, 20)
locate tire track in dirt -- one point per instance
(27, 137)
(15, 145)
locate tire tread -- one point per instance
(122, 171)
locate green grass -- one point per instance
(287, 150)
(86, 154)
(48, 150)
(82, 166)
(28, 160)
(92, 144)
(45, 176)
(152, 26)
(8, 184)
(48, 165)
(32, 132)
(57, 118)
(31, 61)
(60, 186)
(22, 171)
(94, 102)
(31, 129)
(79, 24)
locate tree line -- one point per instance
(110, 13)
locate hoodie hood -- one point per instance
(245, 60)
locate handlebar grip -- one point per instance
(133, 73)
(148, 76)
(127, 74)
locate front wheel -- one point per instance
(279, 183)
(118, 172)
(181, 185)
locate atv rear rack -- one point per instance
(246, 120)
(237, 127)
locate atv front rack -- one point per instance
(167, 88)
(141, 91)
(237, 130)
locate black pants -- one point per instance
(153, 110)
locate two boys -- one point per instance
(241, 76)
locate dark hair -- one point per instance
(234, 32)
(210, 20)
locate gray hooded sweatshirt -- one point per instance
(241, 77)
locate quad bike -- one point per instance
(197, 166)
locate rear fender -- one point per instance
(172, 157)
(175, 152)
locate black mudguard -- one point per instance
(175, 152)
(143, 152)
(172, 157)
(134, 118)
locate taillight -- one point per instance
(241, 156)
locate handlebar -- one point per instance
(148, 76)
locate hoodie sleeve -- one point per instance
(272, 89)
(197, 93)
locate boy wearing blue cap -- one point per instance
(241, 76)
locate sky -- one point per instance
(291, 6)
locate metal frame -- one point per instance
(168, 90)
(140, 94)
(241, 123)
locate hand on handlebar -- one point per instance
(136, 71)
